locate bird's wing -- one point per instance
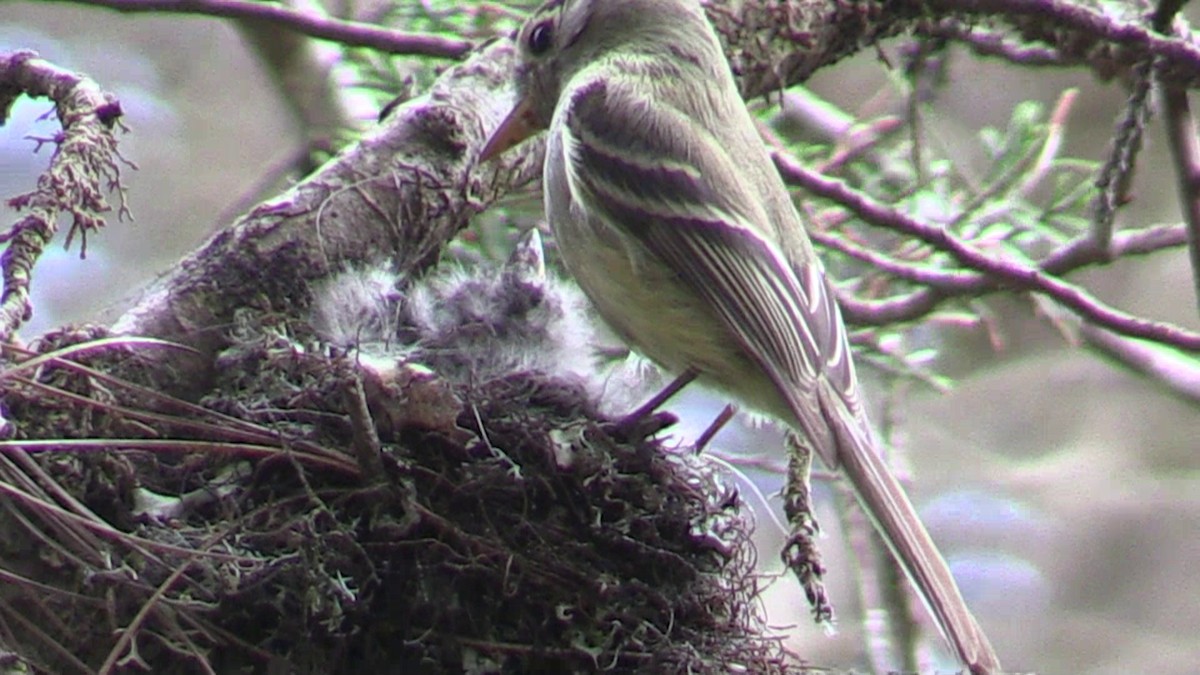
(657, 176)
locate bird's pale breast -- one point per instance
(645, 303)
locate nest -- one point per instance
(311, 515)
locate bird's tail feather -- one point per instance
(890, 511)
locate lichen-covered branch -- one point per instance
(773, 44)
(85, 165)
(400, 193)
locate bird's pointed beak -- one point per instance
(519, 125)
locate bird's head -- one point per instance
(562, 38)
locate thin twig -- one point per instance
(366, 444)
(925, 275)
(173, 445)
(713, 429)
(1056, 128)
(1117, 173)
(128, 634)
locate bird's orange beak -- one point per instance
(519, 125)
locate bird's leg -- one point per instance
(644, 421)
(713, 429)
(800, 552)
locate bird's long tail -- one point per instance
(887, 505)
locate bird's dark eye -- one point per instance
(539, 38)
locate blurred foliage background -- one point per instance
(1065, 489)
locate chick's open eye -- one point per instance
(540, 38)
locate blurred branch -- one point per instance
(1185, 148)
(945, 281)
(1179, 374)
(777, 44)
(1165, 13)
(85, 165)
(997, 44)
(303, 71)
(350, 33)
(1056, 129)
(832, 125)
(1185, 152)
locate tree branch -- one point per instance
(1185, 148)
(400, 193)
(773, 45)
(1185, 152)
(1010, 273)
(996, 44)
(85, 165)
(1085, 36)
(1179, 374)
(350, 33)
(1069, 257)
